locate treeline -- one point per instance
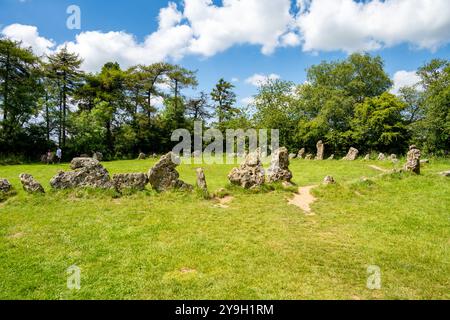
(49, 101)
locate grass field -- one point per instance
(180, 246)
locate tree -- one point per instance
(181, 78)
(224, 99)
(65, 68)
(197, 108)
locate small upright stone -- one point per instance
(292, 156)
(381, 157)
(279, 167)
(98, 156)
(413, 160)
(301, 153)
(309, 156)
(352, 154)
(328, 180)
(201, 179)
(163, 176)
(331, 157)
(142, 156)
(367, 157)
(320, 150)
(251, 172)
(30, 185)
(5, 186)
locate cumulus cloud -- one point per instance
(30, 37)
(258, 80)
(328, 25)
(404, 79)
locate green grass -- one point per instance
(180, 246)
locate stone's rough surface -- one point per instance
(201, 179)
(89, 173)
(320, 150)
(328, 180)
(301, 153)
(5, 186)
(142, 156)
(98, 156)
(134, 181)
(309, 156)
(352, 154)
(251, 172)
(413, 160)
(367, 157)
(163, 176)
(381, 157)
(30, 185)
(84, 155)
(292, 156)
(331, 157)
(445, 173)
(393, 157)
(279, 167)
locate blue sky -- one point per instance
(230, 46)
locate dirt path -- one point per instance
(303, 199)
(224, 202)
(379, 169)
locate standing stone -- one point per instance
(163, 176)
(5, 186)
(367, 157)
(251, 172)
(352, 154)
(142, 156)
(201, 179)
(88, 173)
(292, 156)
(320, 150)
(413, 160)
(301, 153)
(279, 167)
(133, 181)
(381, 157)
(331, 157)
(30, 185)
(309, 156)
(328, 180)
(98, 156)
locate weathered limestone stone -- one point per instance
(381, 157)
(30, 185)
(84, 155)
(163, 176)
(251, 172)
(5, 186)
(352, 154)
(445, 173)
(328, 180)
(320, 150)
(309, 156)
(142, 156)
(133, 181)
(279, 167)
(201, 179)
(331, 157)
(413, 160)
(98, 156)
(301, 153)
(367, 157)
(292, 156)
(88, 173)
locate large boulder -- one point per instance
(279, 167)
(320, 150)
(301, 153)
(163, 176)
(88, 173)
(413, 160)
(30, 185)
(133, 181)
(5, 186)
(250, 174)
(352, 154)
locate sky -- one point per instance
(242, 41)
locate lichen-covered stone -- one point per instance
(251, 172)
(88, 173)
(30, 185)
(352, 154)
(98, 156)
(201, 179)
(320, 150)
(142, 156)
(328, 180)
(381, 157)
(413, 160)
(279, 167)
(134, 181)
(301, 153)
(163, 176)
(309, 156)
(5, 186)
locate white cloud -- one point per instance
(30, 37)
(328, 25)
(258, 80)
(404, 79)
(235, 79)
(248, 101)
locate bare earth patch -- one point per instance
(16, 235)
(379, 169)
(223, 202)
(303, 199)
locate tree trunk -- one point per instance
(6, 87)
(149, 106)
(47, 117)
(64, 110)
